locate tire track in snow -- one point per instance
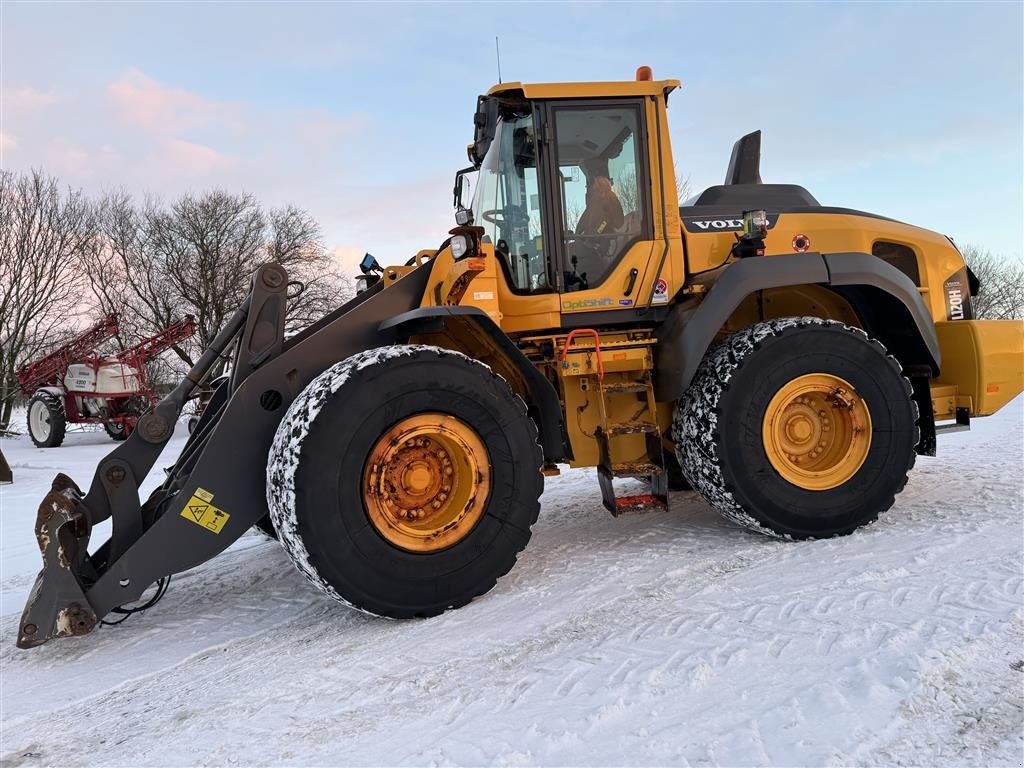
(671, 638)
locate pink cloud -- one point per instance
(160, 108)
(348, 257)
(191, 159)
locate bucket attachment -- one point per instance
(76, 588)
(57, 606)
(215, 490)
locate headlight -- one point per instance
(460, 246)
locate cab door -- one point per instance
(603, 233)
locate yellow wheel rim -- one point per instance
(817, 431)
(426, 482)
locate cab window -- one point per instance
(603, 205)
(507, 203)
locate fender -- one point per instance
(864, 280)
(456, 322)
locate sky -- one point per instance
(361, 113)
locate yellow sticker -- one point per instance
(200, 511)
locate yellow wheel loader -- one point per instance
(788, 360)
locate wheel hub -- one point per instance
(426, 482)
(817, 431)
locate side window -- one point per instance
(603, 206)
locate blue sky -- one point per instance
(361, 113)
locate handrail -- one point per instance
(597, 347)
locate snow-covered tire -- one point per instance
(315, 480)
(116, 430)
(717, 427)
(46, 420)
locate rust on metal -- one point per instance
(426, 482)
(74, 620)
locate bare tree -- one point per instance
(1001, 279)
(43, 234)
(154, 263)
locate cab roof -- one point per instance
(585, 90)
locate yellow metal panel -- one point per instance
(840, 233)
(944, 401)
(984, 359)
(608, 89)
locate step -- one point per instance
(631, 505)
(638, 469)
(632, 428)
(626, 386)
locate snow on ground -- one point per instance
(666, 638)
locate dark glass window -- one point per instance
(900, 256)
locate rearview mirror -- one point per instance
(462, 186)
(485, 124)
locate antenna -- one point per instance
(497, 53)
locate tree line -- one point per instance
(67, 259)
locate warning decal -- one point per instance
(660, 292)
(201, 511)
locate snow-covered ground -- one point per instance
(666, 638)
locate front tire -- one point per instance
(46, 420)
(116, 430)
(405, 480)
(798, 428)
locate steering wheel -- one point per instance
(490, 216)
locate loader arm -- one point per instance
(216, 489)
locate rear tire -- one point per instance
(727, 450)
(341, 436)
(46, 420)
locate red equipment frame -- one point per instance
(51, 370)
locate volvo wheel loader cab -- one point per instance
(788, 360)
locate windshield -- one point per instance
(507, 203)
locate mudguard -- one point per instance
(689, 330)
(541, 397)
